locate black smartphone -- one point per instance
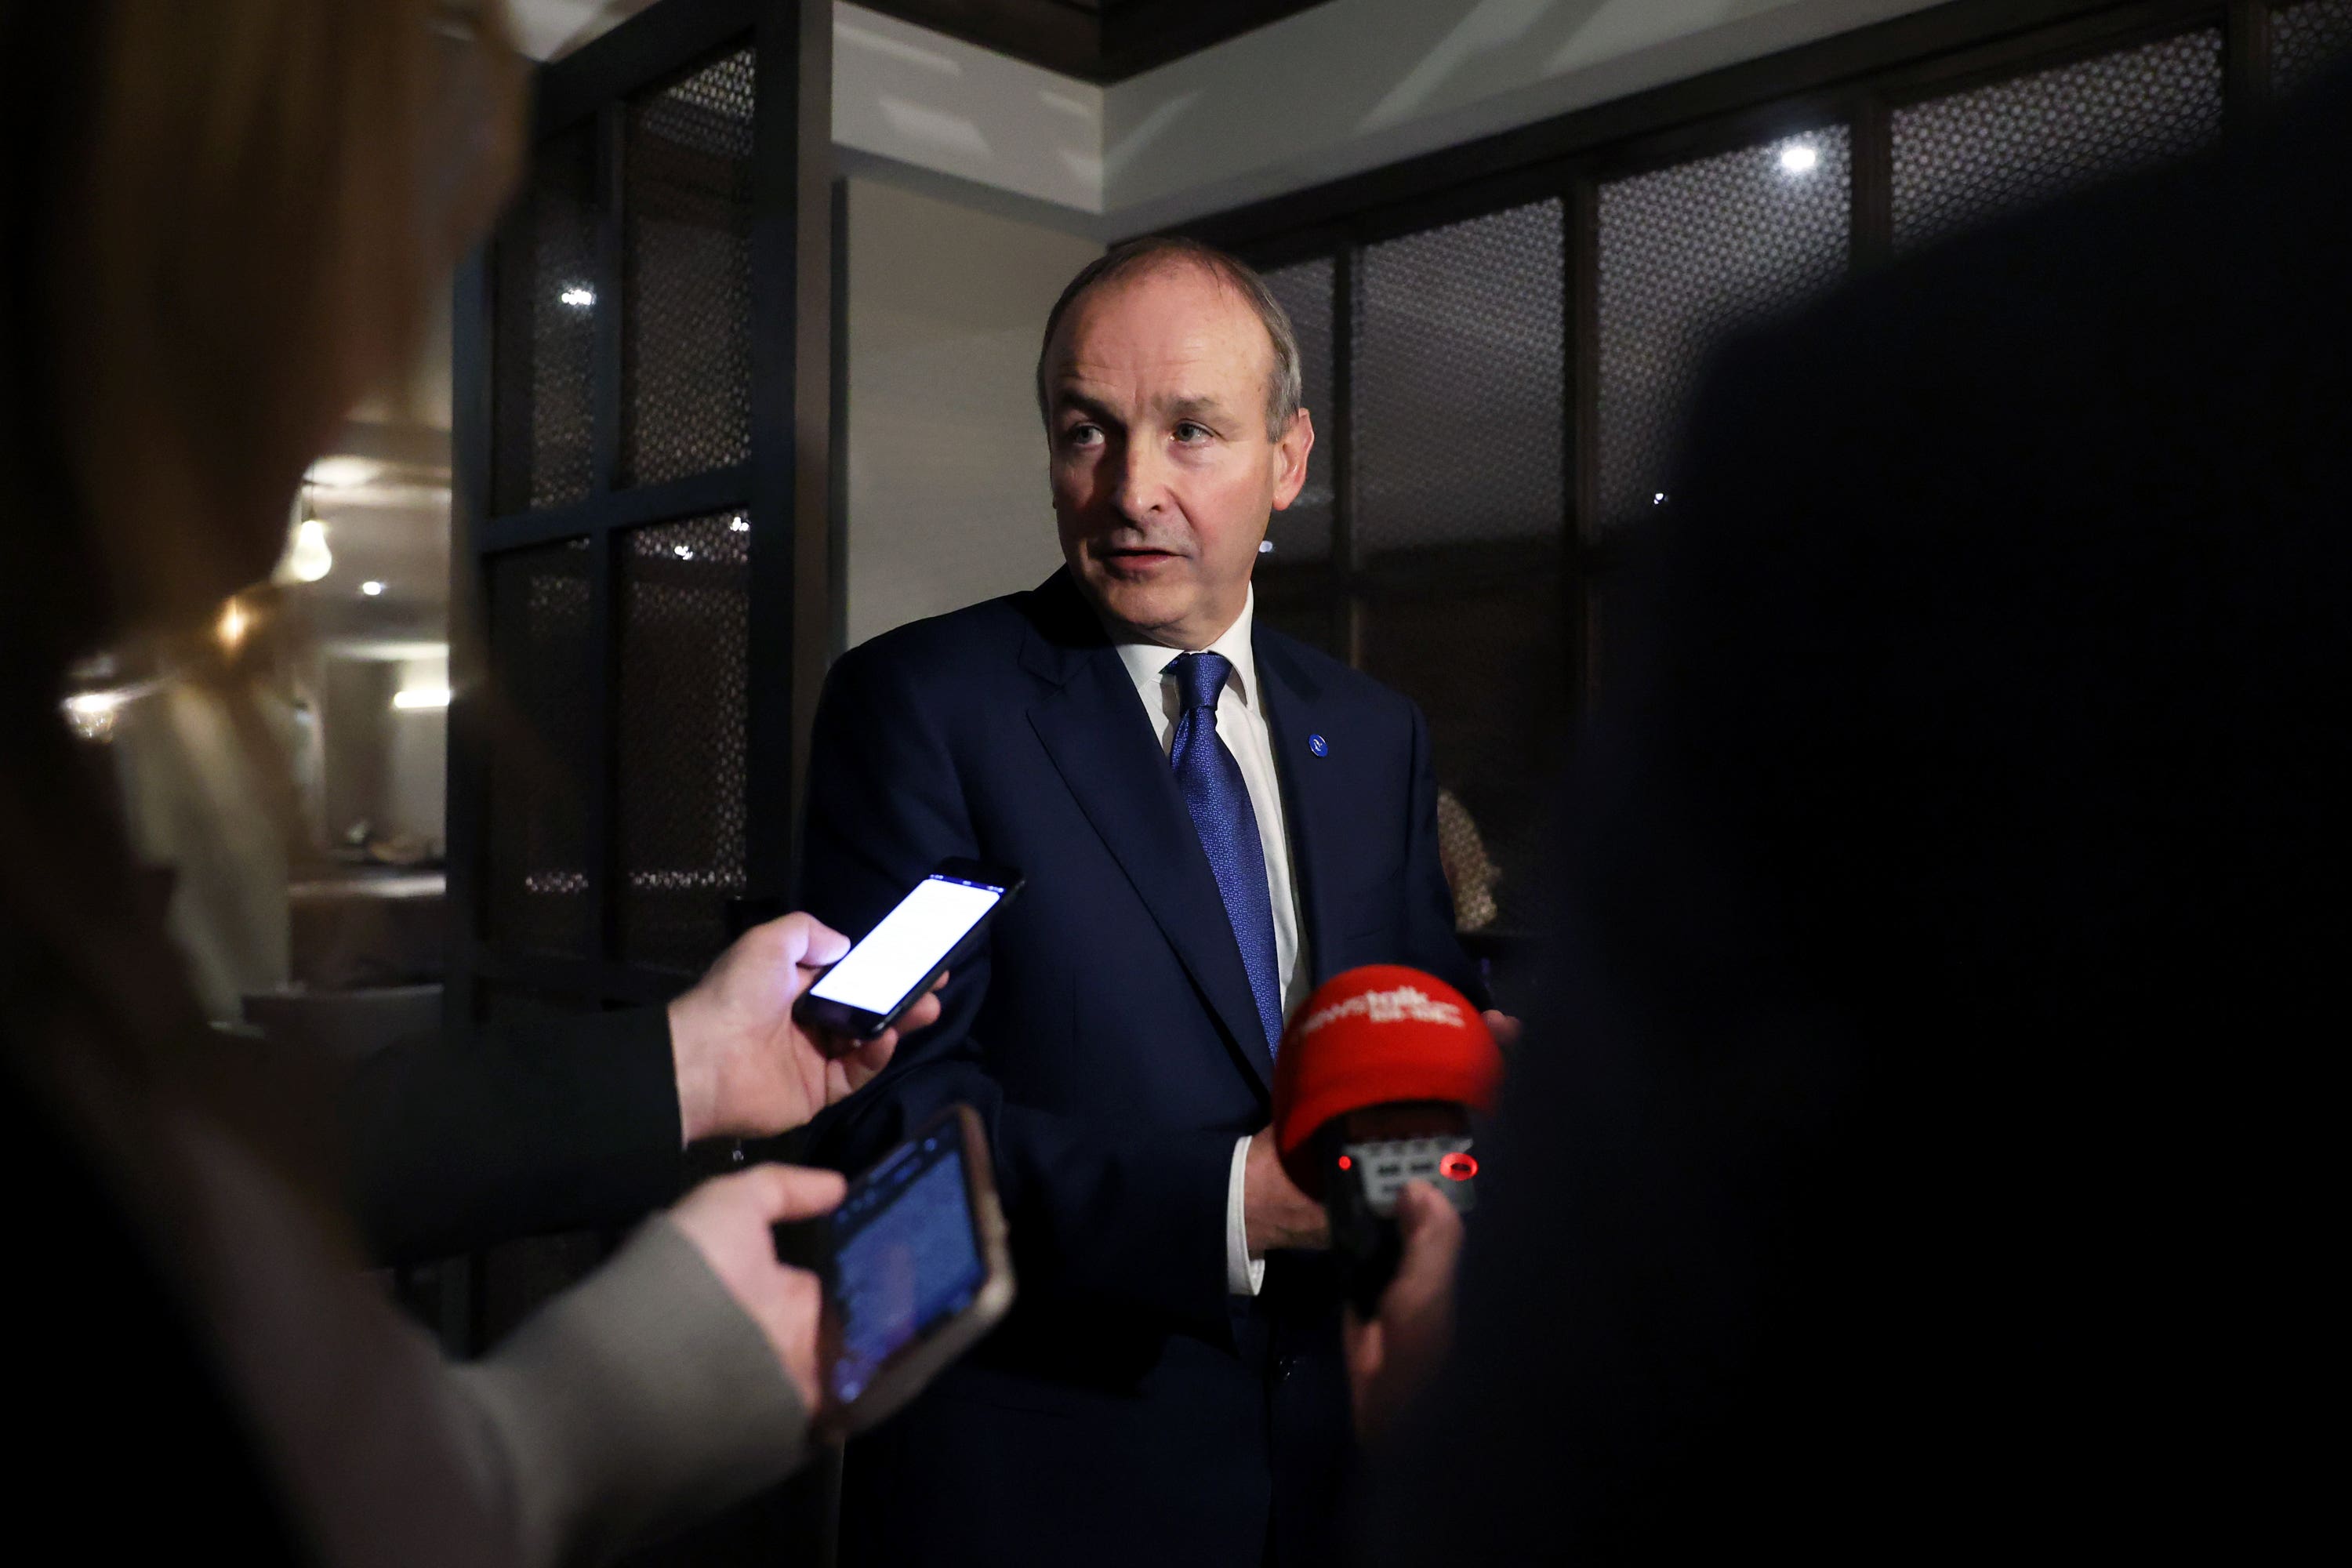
(893, 965)
(916, 1268)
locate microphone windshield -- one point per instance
(1381, 1034)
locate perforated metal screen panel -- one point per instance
(1974, 155)
(687, 260)
(1687, 253)
(1458, 383)
(1304, 532)
(684, 621)
(541, 640)
(1486, 664)
(547, 299)
(1459, 447)
(2309, 41)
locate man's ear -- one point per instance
(1290, 459)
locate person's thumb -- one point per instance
(790, 1191)
(812, 943)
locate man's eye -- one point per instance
(1082, 435)
(1189, 433)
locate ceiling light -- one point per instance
(92, 714)
(343, 473)
(1799, 158)
(310, 560)
(741, 525)
(372, 588)
(413, 698)
(232, 626)
(579, 296)
(685, 552)
(1266, 547)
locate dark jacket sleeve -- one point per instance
(526, 1129)
(1097, 1215)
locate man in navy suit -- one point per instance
(1212, 818)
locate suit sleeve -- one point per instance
(526, 1129)
(1431, 941)
(1098, 1216)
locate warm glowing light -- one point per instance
(372, 588)
(1799, 158)
(1346, 1161)
(413, 698)
(579, 296)
(1456, 1166)
(343, 473)
(310, 560)
(233, 624)
(92, 714)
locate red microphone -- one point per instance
(1373, 1088)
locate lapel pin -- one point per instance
(1318, 745)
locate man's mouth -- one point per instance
(1134, 555)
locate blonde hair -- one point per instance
(225, 215)
(262, 192)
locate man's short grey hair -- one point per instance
(1284, 388)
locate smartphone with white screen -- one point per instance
(915, 1266)
(893, 965)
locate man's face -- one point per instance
(1164, 476)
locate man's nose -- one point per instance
(1139, 479)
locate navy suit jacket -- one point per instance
(1130, 1410)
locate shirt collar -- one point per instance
(1146, 661)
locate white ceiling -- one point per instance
(542, 27)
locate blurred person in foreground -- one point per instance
(1924, 1152)
(220, 215)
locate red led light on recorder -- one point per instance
(1457, 1166)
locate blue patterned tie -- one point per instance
(1220, 803)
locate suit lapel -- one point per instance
(1311, 786)
(1102, 742)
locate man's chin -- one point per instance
(1141, 608)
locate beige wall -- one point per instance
(947, 499)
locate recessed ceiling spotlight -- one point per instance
(1799, 158)
(372, 588)
(579, 296)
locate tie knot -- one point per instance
(1200, 677)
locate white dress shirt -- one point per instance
(1241, 725)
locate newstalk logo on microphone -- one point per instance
(1406, 1004)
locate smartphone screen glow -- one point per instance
(909, 943)
(904, 1259)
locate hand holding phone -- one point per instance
(746, 1067)
(894, 965)
(730, 1220)
(916, 1268)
